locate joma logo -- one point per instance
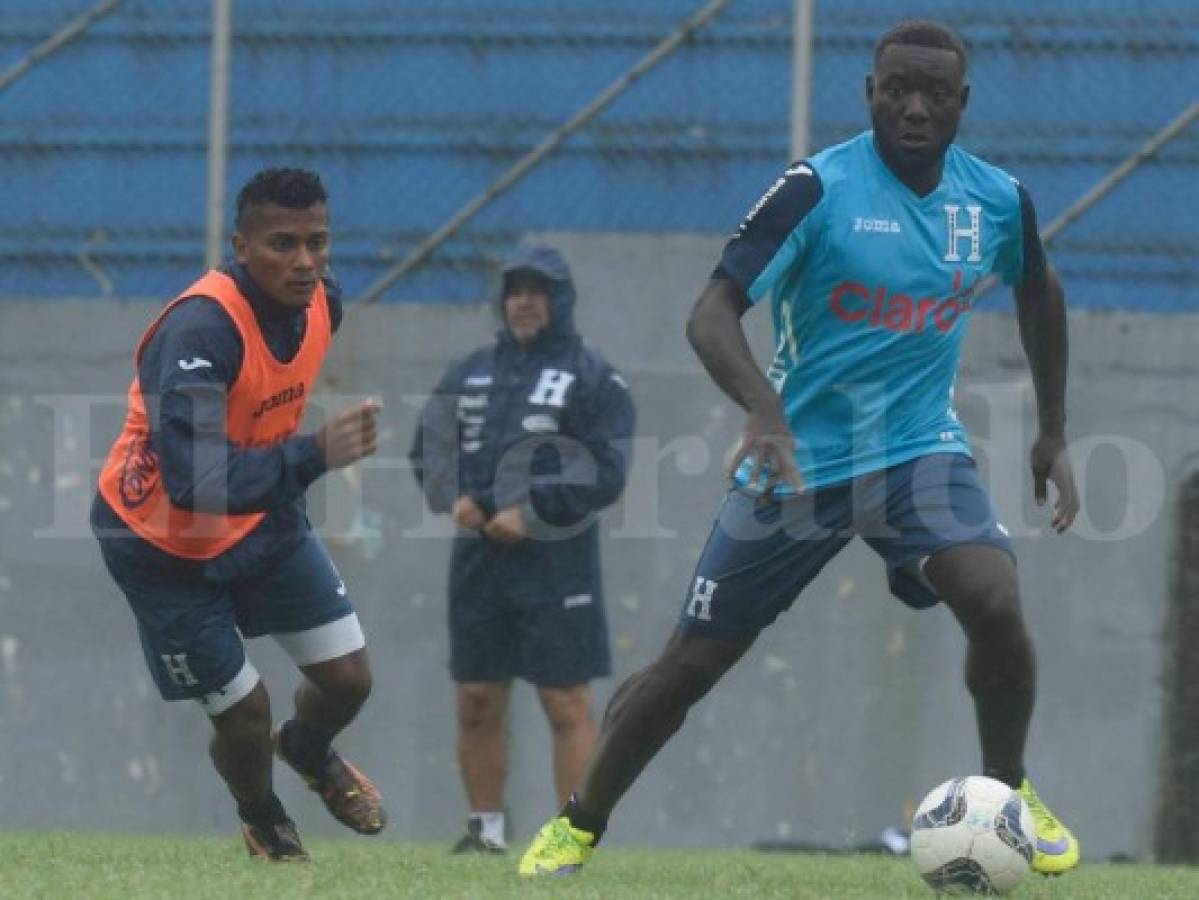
(287, 395)
(884, 226)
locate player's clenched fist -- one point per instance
(350, 435)
(466, 514)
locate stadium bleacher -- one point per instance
(411, 110)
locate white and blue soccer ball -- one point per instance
(972, 835)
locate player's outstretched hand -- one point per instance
(350, 435)
(768, 441)
(1051, 462)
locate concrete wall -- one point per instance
(845, 713)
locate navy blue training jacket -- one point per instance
(546, 427)
(186, 411)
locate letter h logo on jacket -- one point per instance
(551, 388)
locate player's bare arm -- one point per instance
(715, 332)
(1041, 313)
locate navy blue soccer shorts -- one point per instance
(497, 634)
(191, 623)
(761, 554)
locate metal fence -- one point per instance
(412, 110)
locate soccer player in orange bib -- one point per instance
(201, 519)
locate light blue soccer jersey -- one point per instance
(871, 288)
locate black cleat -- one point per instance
(350, 796)
(274, 843)
(474, 842)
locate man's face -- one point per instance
(916, 97)
(284, 250)
(526, 305)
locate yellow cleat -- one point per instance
(558, 849)
(1057, 848)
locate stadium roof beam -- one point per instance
(526, 163)
(56, 41)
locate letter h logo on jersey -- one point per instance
(974, 232)
(178, 670)
(551, 388)
(700, 605)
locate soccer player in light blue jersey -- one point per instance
(871, 254)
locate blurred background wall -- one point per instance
(851, 707)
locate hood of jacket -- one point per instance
(547, 262)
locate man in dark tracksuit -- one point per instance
(201, 518)
(523, 442)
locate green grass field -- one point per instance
(106, 867)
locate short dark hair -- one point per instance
(922, 33)
(289, 188)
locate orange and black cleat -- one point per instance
(351, 798)
(275, 843)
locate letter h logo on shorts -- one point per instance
(974, 232)
(178, 669)
(700, 606)
(551, 388)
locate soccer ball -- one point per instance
(972, 835)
